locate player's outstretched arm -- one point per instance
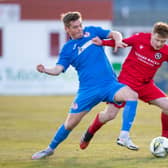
(117, 36)
(56, 70)
(106, 42)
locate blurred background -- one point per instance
(31, 33)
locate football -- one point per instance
(159, 146)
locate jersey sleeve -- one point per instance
(101, 33)
(130, 41)
(64, 59)
(110, 43)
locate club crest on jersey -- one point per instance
(86, 34)
(74, 106)
(158, 56)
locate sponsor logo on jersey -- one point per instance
(141, 46)
(158, 56)
(146, 60)
(74, 47)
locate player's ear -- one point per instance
(66, 29)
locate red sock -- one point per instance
(164, 119)
(96, 124)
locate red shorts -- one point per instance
(146, 92)
(149, 92)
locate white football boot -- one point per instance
(127, 142)
(42, 154)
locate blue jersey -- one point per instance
(89, 60)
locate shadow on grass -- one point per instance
(76, 162)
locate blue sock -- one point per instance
(128, 115)
(60, 136)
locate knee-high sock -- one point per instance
(95, 125)
(164, 119)
(128, 115)
(60, 136)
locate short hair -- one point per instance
(161, 28)
(70, 16)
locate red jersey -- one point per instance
(142, 61)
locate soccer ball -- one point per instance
(159, 146)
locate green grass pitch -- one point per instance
(27, 125)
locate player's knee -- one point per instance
(165, 110)
(111, 116)
(164, 106)
(70, 125)
(133, 95)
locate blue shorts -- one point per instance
(89, 97)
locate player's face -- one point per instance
(75, 29)
(157, 41)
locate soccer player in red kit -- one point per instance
(148, 52)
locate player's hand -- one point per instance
(119, 44)
(40, 68)
(97, 41)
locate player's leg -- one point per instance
(163, 104)
(123, 93)
(153, 95)
(60, 135)
(84, 102)
(107, 94)
(130, 97)
(101, 118)
(164, 121)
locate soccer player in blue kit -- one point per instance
(97, 81)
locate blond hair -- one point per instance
(161, 28)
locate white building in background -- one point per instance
(26, 43)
